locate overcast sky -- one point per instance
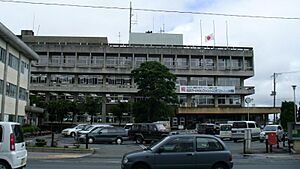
(276, 42)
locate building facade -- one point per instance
(15, 58)
(210, 79)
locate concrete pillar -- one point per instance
(103, 108)
(18, 88)
(4, 84)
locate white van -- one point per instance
(238, 130)
(13, 153)
(225, 131)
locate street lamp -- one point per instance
(295, 112)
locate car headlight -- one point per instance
(125, 160)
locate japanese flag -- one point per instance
(209, 37)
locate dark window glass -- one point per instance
(208, 144)
(1, 86)
(1, 134)
(251, 125)
(181, 144)
(239, 125)
(2, 55)
(13, 62)
(19, 138)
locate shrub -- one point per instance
(27, 128)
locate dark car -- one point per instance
(181, 152)
(106, 134)
(206, 128)
(147, 132)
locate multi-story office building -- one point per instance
(15, 58)
(210, 80)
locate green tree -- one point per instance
(119, 109)
(287, 113)
(156, 85)
(92, 106)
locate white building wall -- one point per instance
(24, 76)
(10, 105)
(21, 108)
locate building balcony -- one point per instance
(84, 88)
(227, 110)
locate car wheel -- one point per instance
(139, 140)
(91, 140)
(140, 166)
(4, 165)
(119, 141)
(72, 134)
(220, 166)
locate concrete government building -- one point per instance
(15, 58)
(210, 79)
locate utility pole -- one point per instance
(130, 16)
(273, 93)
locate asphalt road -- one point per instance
(108, 156)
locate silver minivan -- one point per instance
(13, 153)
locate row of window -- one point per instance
(126, 80)
(82, 79)
(112, 60)
(198, 100)
(11, 90)
(13, 61)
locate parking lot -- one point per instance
(108, 156)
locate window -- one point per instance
(1, 132)
(11, 90)
(202, 81)
(197, 62)
(19, 138)
(208, 144)
(22, 94)
(2, 55)
(251, 125)
(13, 61)
(182, 63)
(239, 125)
(1, 86)
(223, 81)
(181, 144)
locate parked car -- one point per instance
(128, 126)
(147, 132)
(91, 128)
(181, 152)
(73, 131)
(206, 128)
(225, 131)
(106, 134)
(272, 129)
(238, 130)
(13, 153)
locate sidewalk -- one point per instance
(49, 155)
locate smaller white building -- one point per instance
(156, 38)
(15, 58)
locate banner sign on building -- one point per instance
(208, 89)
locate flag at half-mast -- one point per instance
(209, 37)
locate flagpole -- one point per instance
(201, 31)
(227, 33)
(214, 32)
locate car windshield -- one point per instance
(270, 128)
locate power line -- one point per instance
(153, 10)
